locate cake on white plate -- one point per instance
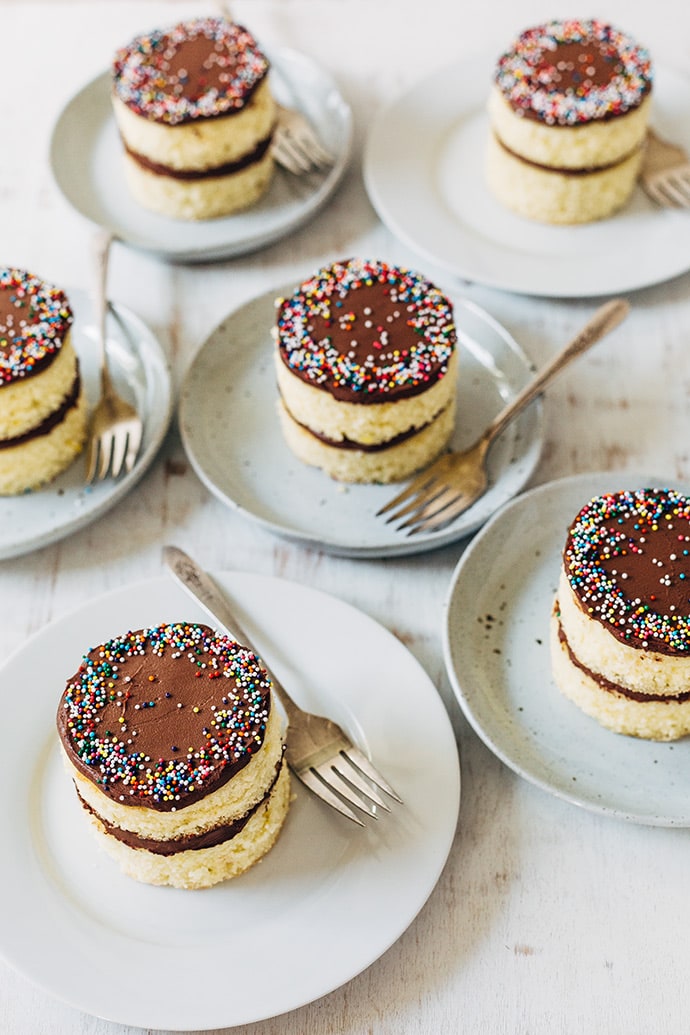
(175, 747)
(569, 111)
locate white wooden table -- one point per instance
(547, 918)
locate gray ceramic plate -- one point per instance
(230, 431)
(496, 645)
(85, 156)
(141, 374)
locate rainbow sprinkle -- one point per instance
(229, 723)
(627, 559)
(411, 352)
(34, 318)
(150, 77)
(530, 74)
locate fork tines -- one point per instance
(428, 501)
(340, 781)
(296, 146)
(665, 174)
(671, 189)
(113, 454)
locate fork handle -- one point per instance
(605, 319)
(201, 586)
(101, 254)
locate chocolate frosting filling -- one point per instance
(201, 174)
(51, 421)
(372, 447)
(187, 843)
(615, 688)
(583, 171)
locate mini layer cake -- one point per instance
(620, 630)
(176, 753)
(196, 116)
(366, 363)
(43, 410)
(569, 112)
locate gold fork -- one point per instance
(318, 752)
(116, 427)
(665, 175)
(455, 481)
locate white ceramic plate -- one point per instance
(85, 156)
(424, 172)
(231, 434)
(141, 374)
(496, 646)
(327, 900)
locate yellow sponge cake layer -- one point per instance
(559, 196)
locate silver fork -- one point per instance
(116, 427)
(665, 175)
(450, 485)
(318, 752)
(296, 146)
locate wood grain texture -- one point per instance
(547, 919)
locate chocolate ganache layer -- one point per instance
(201, 68)
(365, 447)
(366, 332)
(188, 842)
(587, 170)
(227, 169)
(566, 73)
(616, 688)
(51, 421)
(34, 319)
(161, 717)
(627, 560)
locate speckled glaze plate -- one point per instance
(496, 647)
(424, 172)
(230, 430)
(140, 370)
(323, 905)
(85, 157)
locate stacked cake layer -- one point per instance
(569, 113)
(620, 630)
(196, 116)
(366, 364)
(43, 411)
(176, 753)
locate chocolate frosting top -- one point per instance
(366, 332)
(627, 559)
(200, 68)
(569, 72)
(160, 717)
(34, 319)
